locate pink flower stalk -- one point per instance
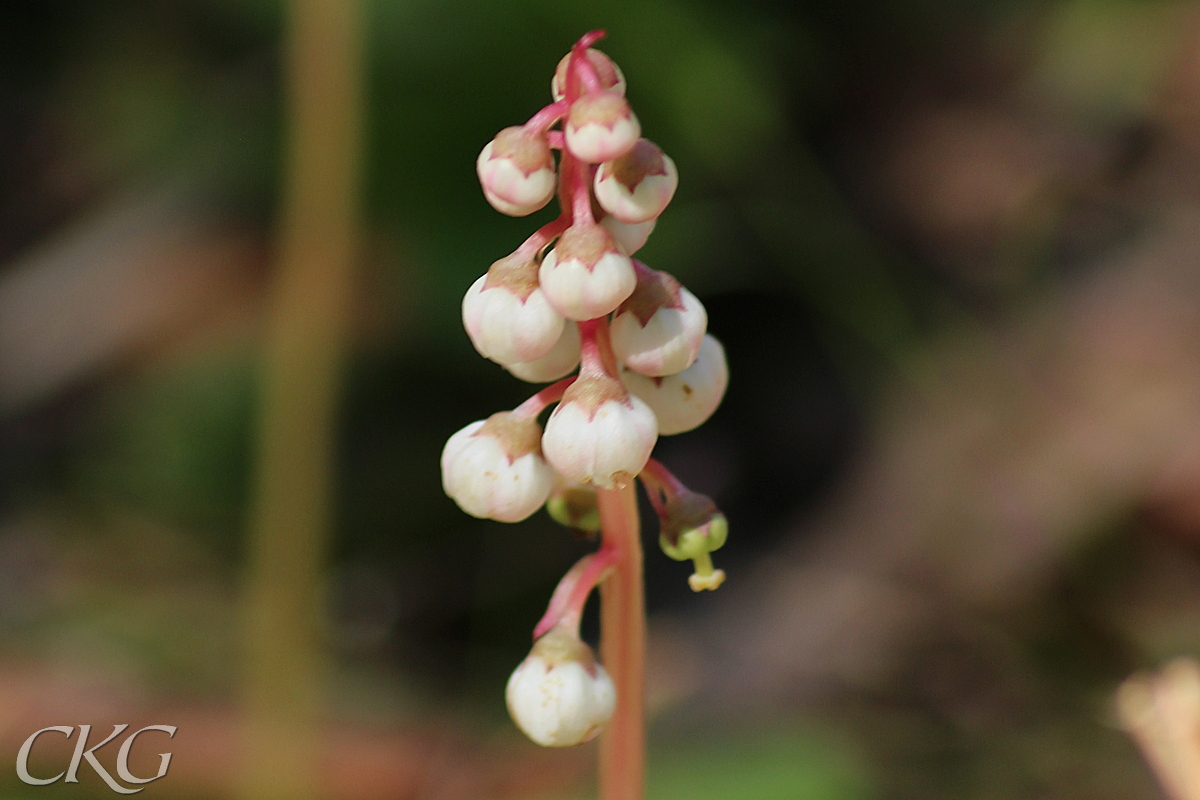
(570, 296)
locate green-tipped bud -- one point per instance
(691, 527)
(575, 507)
(696, 542)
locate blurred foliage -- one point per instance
(822, 291)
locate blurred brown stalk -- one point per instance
(305, 339)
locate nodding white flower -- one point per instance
(560, 695)
(692, 526)
(599, 433)
(516, 171)
(493, 468)
(558, 363)
(507, 316)
(637, 186)
(600, 127)
(586, 275)
(683, 401)
(658, 330)
(630, 237)
(610, 74)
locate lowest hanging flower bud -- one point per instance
(683, 401)
(562, 359)
(606, 70)
(637, 186)
(493, 468)
(658, 330)
(506, 314)
(691, 529)
(600, 127)
(586, 275)
(599, 434)
(560, 695)
(516, 171)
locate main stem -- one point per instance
(623, 647)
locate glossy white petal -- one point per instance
(580, 293)
(669, 341)
(609, 73)
(605, 448)
(595, 142)
(507, 329)
(478, 476)
(503, 179)
(558, 363)
(685, 400)
(560, 705)
(647, 200)
(630, 237)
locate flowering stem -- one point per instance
(537, 404)
(655, 493)
(581, 66)
(591, 354)
(623, 646)
(543, 236)
(654, 472)
(566, 606)
(542, 120)
(577, 177)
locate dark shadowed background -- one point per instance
(952, 249)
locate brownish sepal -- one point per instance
(519, 437)
(654, 290)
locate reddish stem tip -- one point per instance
(590, 38)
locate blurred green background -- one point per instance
(946, 244)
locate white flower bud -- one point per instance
(586, 275)
(516, 171)
(600, 127)
(609, 73)
(560, 695)
(637, 186)
(507, 316)
(658, 330)
(559, 362)
(630, 237)
(493, 469)
(685, 400)
(599, 434)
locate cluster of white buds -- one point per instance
(572, 296)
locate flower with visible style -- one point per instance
(569, 298)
